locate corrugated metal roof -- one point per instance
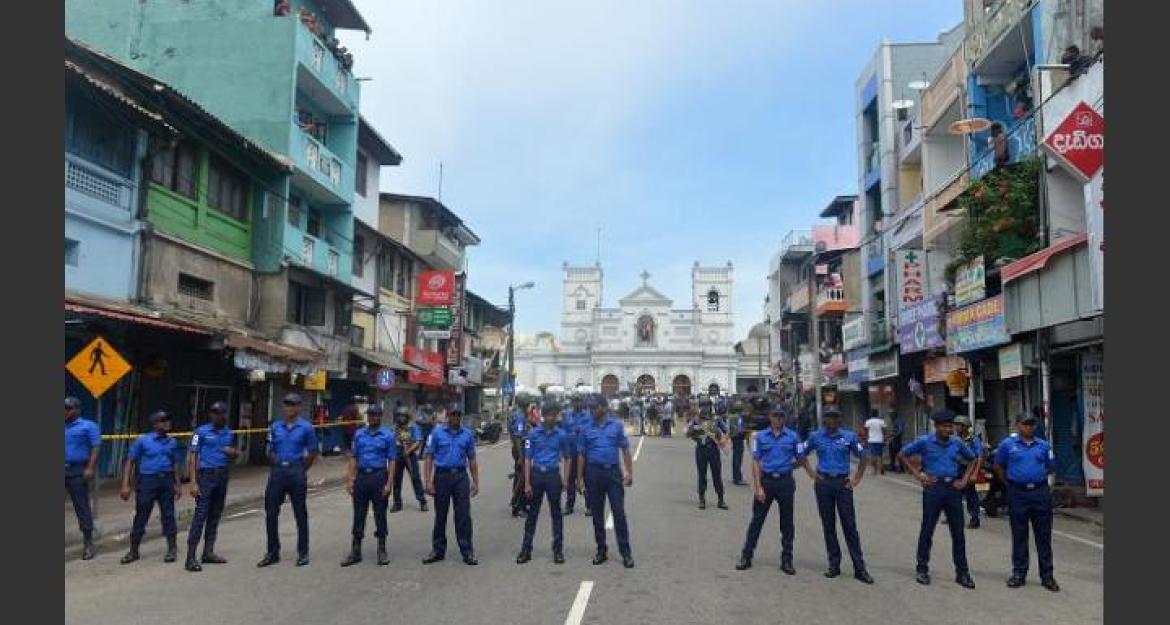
(143, 317)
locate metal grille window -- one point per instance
(386, 273)
(91, 183)
(95, 134)
(307, 250)
(342, 315)
(227, 189)
(196, 287)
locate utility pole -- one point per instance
(814, 332)
(511, 341)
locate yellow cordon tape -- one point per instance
(127, 437)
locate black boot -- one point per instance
(721, 505)
(786, 565)
(132, 555)
(524, 557)
(383, 559)
(192, 564)
(87, 549)
(744, 563)
(702, 502)
(209, 555)
(172, 549)
(355, 553)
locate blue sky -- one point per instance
(685, 130)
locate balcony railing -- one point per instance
(322, 165)
(797, 241)
(984, 31)
(1021, 145)
(831, 299)
(324, 66)
(875, 254)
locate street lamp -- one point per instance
(512, 331)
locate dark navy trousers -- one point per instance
(571, 488)
(150, 489)
(708, 456)
(290, 481)
(938, 499)
(368, 487)
(408, 463)
(546, 484)
(1030, 507)
(213, 485)
(78, 489)
(781, 489)
(833, 500)
(452, 486)
(737, 445)
(605, 481)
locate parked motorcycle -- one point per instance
(489, 429)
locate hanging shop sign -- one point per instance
(432, 362)
(316, 380)
(977, 326)
(918, 325)
(434, 317)
(1014, 359)
(935, 370)
(455, 344)
(853, 333)
(1079, 141)
(1093, 405)
(858, 363)
(911, 278)
(1095, 224)
(970, 282)
(436, 288)
(440, 335)
(882, 366)
(957, 381)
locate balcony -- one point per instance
(875, 256)
(986, 30)
(873, 165)
(906, 225)
(796, 245)
(322, 255)
(836, 237)
(831, 300)
(798, 299)
(438, 249)
(321, 75)
(938, 225)
(320, 174)
(948, 85)
(910, 140)
(1021, 145)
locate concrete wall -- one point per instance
(101, 237)
(394, 219)
(365, 207)
(166, 258)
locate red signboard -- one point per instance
(431, 361)
(435, 288)
(1079, 141)
(455, 343)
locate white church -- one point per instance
(645, 345)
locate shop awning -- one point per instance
(273, 357)
(384, 359)
(1037, 261)
(135, 314)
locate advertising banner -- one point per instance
(882, 366)
(1011, 361)
(1079, 141)
(1095, 224)
(911, 267)
(918, 325)
(853, 333)
(431, 361)
(434, 317)
(935, 370)
(455, 343)
(1093, 405)
(977, 326)
(436, 288)
(970, 282)
(858, 363)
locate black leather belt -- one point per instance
(541, 469)
(213, 470)
(374, 470)
(599, 465)
(160, 474)
(831, 476)
(1029, 485)
(777, 475)
(450, 469)
(290, 463)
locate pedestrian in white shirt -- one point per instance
(875, 428)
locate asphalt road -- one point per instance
(684, 574)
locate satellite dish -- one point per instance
(969, 126)
(902, 104)
(919, 85)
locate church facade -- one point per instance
(647, 344)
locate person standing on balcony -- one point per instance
(998, 144)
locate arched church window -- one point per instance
(580, 304)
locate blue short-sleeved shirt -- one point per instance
(776, 453)
(976, 446)
(451, 448)
(208, 442)
(545, 448)
(1025, 462)
(568, 428)
(154, 453)
(939, 459)
(518, 424)
(290, 443)
(81, 437)
(374, 448)
(600, 443)
(833, 450)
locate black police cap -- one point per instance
(219, 407)
(550, 408)
(778, 410)
(831, 413)
(374, 409)
(1027, 418)
(159, 416)
(402, 410)
(455, 409)
(292, 399)
(72, 402)
(943, 416)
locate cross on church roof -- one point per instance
(645, 277)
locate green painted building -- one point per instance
(273, 72)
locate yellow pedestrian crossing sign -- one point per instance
(98, 367)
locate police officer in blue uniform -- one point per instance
(83, 441)
(708, 435)
(600, 477)
(582, 420)
(568, 421)
(292, 450)
(546, 460)
(737, 430)
(153, 463)
(450, 452)
(776, 451)
(943, 480)
(975, 442)
(410, 438)
(834, 489)
(212, 449)
(373, 457)
(517, 430)
(1023, 462)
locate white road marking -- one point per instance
(638, 451)
(608, 520)
(577, 612)
(1055, 532)
(244, 513)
